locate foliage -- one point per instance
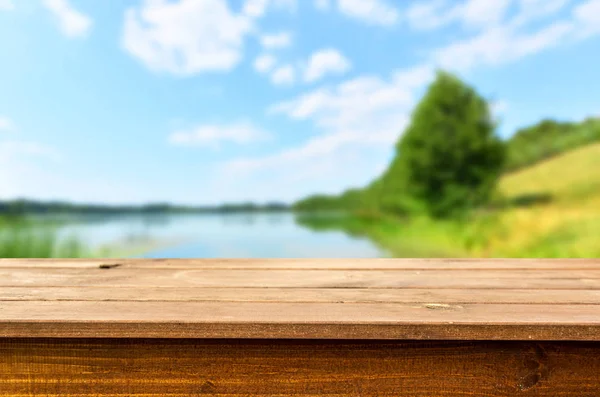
(447, 161)
(547, 203)
(21, 238)
(354, 200)
(547, 139)
(449, 158)
(320, 203)
(553, 211)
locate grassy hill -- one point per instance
(553, 211)
(550, 209)
(568, 224)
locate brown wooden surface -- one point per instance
(33, 367)
(286, 298)
(299, 327)
(327, 264)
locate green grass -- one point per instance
(569, 224)
(551, 209)
(22, 238)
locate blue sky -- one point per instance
(204, 101)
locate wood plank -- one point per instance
(499, 279)
(431, 303)
(299, 295)
(430, 321)
(314, 264)
(255, 368)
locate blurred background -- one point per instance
(299, 128)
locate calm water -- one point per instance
(214, 236)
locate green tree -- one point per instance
(449, 158)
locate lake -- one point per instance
(252, 235)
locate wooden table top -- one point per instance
(391, 299)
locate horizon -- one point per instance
(211, 102)
(173, 205)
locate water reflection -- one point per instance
(241, 235)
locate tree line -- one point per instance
(25, 207)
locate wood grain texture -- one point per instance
(299, 320)
(42, 367)
(299, 327)
(300, 295)
(302, 299)
(284, 278)
(308, 264)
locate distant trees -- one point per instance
(549, 138)
(319, 202)
(24, 207)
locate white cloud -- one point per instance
(326, 164)
(319, 64)
(301, 156)
(255, 8)
(365, 111)
(274, 41)
(6, 124)
(258, 8)
(187, 36)
(471, 13)
(292, 176)
(480, 14)
(7, 5)
(530, 10)
(362, 104)
(325, 61)
(359, 120)
(322, 5)
(214, 135)
(375, 12)
(426, 15)
(71, 22)
(587, 17)
(265, 63)
(483, 13)
(504, 39)
(285, 75)
(500, 45)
